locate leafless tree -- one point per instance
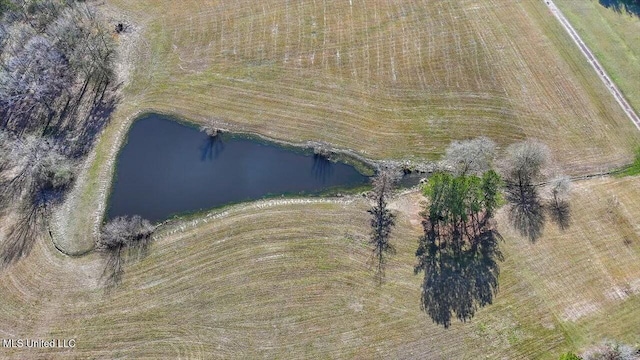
(88, 44)
(612, 351)
(210, 128)
(522, 172)
(470, 156)
(382, 220)
(119, 237)
(49, 62)
(525, 162)
(32, 83)
(52, 53)
(33, 178)
(34, 165)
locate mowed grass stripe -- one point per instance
(614, 38)
(386, 79)
(515, 51)
(239, 287)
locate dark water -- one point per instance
(168, 168)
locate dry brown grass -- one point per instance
(389, 79)
(281, 279)
(386, 79)
(291, 280)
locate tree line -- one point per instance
(57, 90)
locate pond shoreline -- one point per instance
(105, 165)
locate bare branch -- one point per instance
(470, 156)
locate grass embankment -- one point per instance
(284, 279)
(614, 37)
(387, 80)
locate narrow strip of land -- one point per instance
(602, 74)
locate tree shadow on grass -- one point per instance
(560, 214)
(23, 235)
(20, 240)
(77, 133)
(458, 283)
(526, 211)
(631, 7)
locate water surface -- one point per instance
(168, 168)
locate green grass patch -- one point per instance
(631, 170)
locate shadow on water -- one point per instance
(631, 7)
(212, 148)
(199, 172)
(322, 168)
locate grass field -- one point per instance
(614, 38)
(390, 80)
(238, 286)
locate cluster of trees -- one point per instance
(34, 176)
(56, 93)
(525, 182)
(459, 252)
(56, 67)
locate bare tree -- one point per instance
(525, 162)
(80, 34)
(470, 156)
(210, 128)
(612, 351)
(32, 83)
(119, 236)
(35, 164)
(34, 178)
(382, 220)
(53, 53)
(31, 164)
(522, 172)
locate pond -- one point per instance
(168, 168)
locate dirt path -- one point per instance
(613, 89)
